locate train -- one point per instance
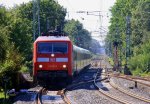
(57, 57)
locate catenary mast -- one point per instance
(36, 18)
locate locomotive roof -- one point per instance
(53, 38)
(81, 49)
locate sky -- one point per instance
(11, 3)
(97, 25)
(95, 22)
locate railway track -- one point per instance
(59, 96)
(107, 94)
(110, 89)
(29, 96)
(49, 97)
(45, 96)
(139, 80)
(65, 100)
(147, 100)
(135, 79)
(41, 95)
(53, 97)
(133, 88)
(76, 88)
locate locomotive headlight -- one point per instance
(64, 66)
(52, 55)
(40, 66)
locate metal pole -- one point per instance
(127, 44)
(38, 5)
(34, 20)
(127, 39)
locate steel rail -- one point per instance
(64, 91)
(109, 95)
(39, 100)
(136, 77)
(64, 97)
(129, 93)
(131, 79)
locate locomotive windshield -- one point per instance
(49, 47)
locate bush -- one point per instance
(139, 63)
(11, 66)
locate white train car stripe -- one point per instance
(42, 59)
(61, 59)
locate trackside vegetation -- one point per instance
(139, 13)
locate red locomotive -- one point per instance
(57, 57)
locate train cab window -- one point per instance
(45, 47)
(60, 47)
(48, 47)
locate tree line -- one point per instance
(139, 13)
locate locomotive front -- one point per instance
(52, 57)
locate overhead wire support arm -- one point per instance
(91, 12)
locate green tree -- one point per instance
(4, 33)
(138, 10)
(51, 14)
(3, 43)
(80, 37)
(71, 30)
(21, 35)
(141, 38)
(141, 23)
(10, 58)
